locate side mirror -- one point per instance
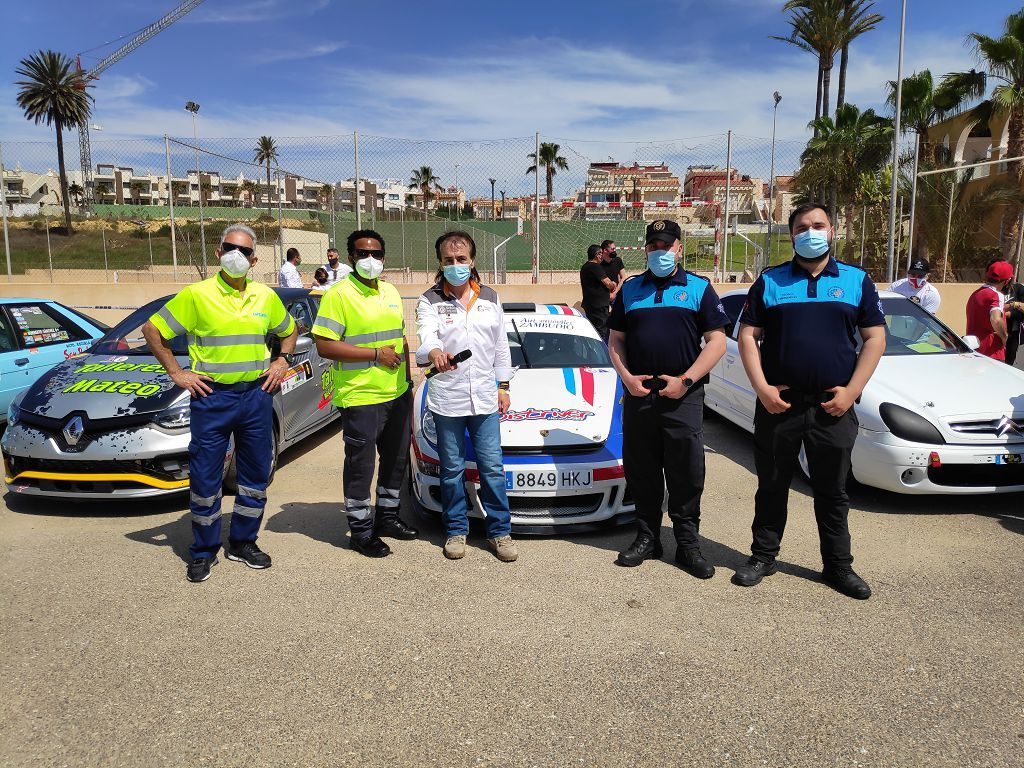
(972, 342)
(303, 345)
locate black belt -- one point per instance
(238, 386)
(795, 397)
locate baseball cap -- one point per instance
(920, 265)
(663, 229)
(1000, 270)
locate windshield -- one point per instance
(556, 350)
(911, 330)
(126, 337)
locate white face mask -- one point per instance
(369, 268)
(234, 263)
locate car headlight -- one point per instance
(428, 428)
(175, 417)
(13, 413)
(907, 425)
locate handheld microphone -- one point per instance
(456, 358)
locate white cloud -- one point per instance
(252, 11)
(297, 53)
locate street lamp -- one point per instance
(191, 106)
(493, 181)
(771, 185)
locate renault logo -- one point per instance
(1006, 426)
(74, 430)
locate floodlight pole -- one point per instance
(170, 203)
(192, 107)
(3, 212)
(913, 198)
(771, 186)
(891, 245)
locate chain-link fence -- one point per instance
(155, 208)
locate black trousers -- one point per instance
(1012, 343)
(598, 317)
(663, 445)
(829, 443)
(383, 429)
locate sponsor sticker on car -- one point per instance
(296, 376)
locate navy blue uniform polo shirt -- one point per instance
(809, 324)
(665, 320)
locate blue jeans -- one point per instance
(451, 446)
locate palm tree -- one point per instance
(179, 188)
(424, 178)
(326, 190)
(552, 163)
(1003, 60)
(266, 152)
(251, 188)
(825, 28)
(75, 191)
(840, 152)
(924, 104)
(53, 92)
(136, 187)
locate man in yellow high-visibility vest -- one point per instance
(231, 381)
(361, 326)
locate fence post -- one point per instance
(728, 193)
(537, 209)
(170, 203)
(103, 232)
(355, 201)
(152, 274)
(3, 212)
(49, 254)
(949, 225)
(280, 221)
(401, 214)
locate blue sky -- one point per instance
(602, 71)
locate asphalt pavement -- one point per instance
(109, 657)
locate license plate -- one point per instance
(548, 480)
(1010, 458)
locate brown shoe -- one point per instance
(503, 548)
(455, 547)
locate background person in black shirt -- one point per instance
(613, 266)
(597, 290)
(1014, 319)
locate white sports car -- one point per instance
(936, 417)
(562, 437)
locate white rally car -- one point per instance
(936, 417)
(562, 437)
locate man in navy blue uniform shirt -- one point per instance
(798, 343)
(656, 326)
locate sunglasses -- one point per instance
(364, 252)
(225, 247)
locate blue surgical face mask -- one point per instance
(457, 274)
(661, 263)
(812, 244)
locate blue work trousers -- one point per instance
(451, 447)
(249, 417)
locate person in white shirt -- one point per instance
(288, 276)
(336, 269)
(915, 286)
(458, 314)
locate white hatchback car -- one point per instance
(562, 437)
(936, 417)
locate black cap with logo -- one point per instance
(665, 230)
(920, 265)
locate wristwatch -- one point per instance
(687, 381)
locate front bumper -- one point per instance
(141, 462)
(882, 460)
(605, 503)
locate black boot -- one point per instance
(643, 548)
(395, 528)
(750, 575)
(371, 546)
(693, 562)
(843, 579)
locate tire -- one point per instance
(231, 476)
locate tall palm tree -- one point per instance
(552, 163)
(1003, 60)
(136, 187)
(75, 191)
(825, 28)
(53, 92)
(925, 103)
(424, 178)
(266, 153)
(842, 150)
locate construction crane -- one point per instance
(84, 148)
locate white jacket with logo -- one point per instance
(442, 322)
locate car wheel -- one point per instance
(231, 477)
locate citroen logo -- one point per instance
(1006, 426)
(73, 430)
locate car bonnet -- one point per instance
(103, 387)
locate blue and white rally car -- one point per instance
(562, 436)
